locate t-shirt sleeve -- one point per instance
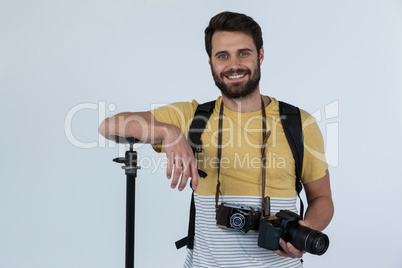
(179, 114)
(314, 161)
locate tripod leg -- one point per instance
(130, 220)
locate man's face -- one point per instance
(235, 63)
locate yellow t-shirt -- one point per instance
(241, 168)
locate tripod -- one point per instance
(130, 167)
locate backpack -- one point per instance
(292, 126)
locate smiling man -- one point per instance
(235, 64)
(242, 132)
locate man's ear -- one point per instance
(209, 61)
(261, 59)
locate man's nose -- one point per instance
(234, 63)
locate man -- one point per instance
(234, 44)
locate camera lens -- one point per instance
(319, 243)
(237, 221)
(307, 239)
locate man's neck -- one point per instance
(246, 105)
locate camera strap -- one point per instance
(265, 136)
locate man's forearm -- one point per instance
(319, 213)
(320, 206)
(140, 125)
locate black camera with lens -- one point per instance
(237, 217)
(285, 225)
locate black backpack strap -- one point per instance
(189, 239)
(292, 126)
(198, 124)
(201, 117)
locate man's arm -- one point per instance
(318, 215)
(144, 126)
(320, 206)
(141, 125)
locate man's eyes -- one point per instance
(241, 54)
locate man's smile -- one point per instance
(236, 77)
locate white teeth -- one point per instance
(236, 76)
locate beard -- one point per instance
(238, 90)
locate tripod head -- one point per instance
(130, 159)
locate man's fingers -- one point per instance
(188, 166)
(169, 167)
(288, 250)
(282, 243)
(191, 169)
(176, 174)
(181, 163)
(305, 223)
(184, 178)
(294, 251)
(281, 253)
(194, 177)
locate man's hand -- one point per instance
(144, 126)
(181, 160)
(288, 250)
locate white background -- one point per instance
(64, 206)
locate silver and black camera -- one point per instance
(237, 217)
(285, 225)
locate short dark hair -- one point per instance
(233, 22)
